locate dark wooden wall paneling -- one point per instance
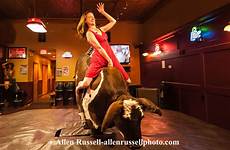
(39, 87)
(199, 80)
(53, 84)
(48, 86)
(218, 86)
(200, 83)
(151, 72)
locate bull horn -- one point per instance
(150, 106)
(112, 111)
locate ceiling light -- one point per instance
(227, 27)
(36, 25)
(145, 54)
(67, 54)
(49, 53)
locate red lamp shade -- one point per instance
(36, 25)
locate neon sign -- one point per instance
(196, 34)
(157, 50)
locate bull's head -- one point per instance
(126, 115)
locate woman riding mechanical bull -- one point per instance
(112, 105)
(103, 55)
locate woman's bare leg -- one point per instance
(84, 84)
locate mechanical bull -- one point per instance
(107, 102)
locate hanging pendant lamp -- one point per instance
(36, 25)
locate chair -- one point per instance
(18, 100)
(59, 90)
(69, 94)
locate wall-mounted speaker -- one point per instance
(42, 37)
(138, 45)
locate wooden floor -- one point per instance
(35, 129)
(41, 103)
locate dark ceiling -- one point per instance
(136, 10)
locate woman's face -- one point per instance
(90, 19)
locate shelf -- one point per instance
(126, 66)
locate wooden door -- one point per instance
(44, 79)
(35, 82)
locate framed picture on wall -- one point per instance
(65, 70)
(23, 69)
(17, 52)
(58, 72)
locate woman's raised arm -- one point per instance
(112, 21)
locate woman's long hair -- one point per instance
(82, 27)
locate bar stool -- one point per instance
(52, 98)
(59, 90)
(17, 100)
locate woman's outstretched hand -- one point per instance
(100, 7)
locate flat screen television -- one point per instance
(17, 53)
(122, 52)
